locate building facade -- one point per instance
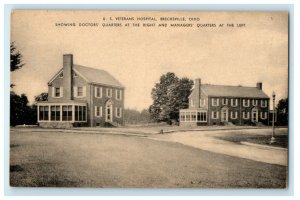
(223, 105)
(82, 96)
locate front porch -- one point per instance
(193, 117)
(62, 115)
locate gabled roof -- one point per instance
(232, 91)
(92, 75)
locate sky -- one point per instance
(137, 56)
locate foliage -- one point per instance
(169, 95)
(282, 112)
(41, 97)
(132, 116)
(20, 111)
(15, 58)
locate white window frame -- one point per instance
(182, 115)
(120, 112)
(263, 115)
(110, 92)
(234, 102)
(264, 103)
(254, 102)
(75, 91)
(224, 101)
(120, 92)
(248, 115)
(244, 102)
(212, 114)
(205, 112)
(98, 114)
(100, 91)
(61, 91)
(214, 103)
(235, 115)
(202, 102)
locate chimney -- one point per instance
(259, 85)
(197, 93)
(67, 80)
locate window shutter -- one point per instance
(101, 93)
(120, 112)
(120, 94)
(84, 91)
(218, 112)
(95, 91)
(75, 91)
(53, 92)
(61, 91)
(96, 111)
(100, 111)
(116, 111)
(218, 102)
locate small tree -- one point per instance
(282, 112)
(41, 97)
(15, 58)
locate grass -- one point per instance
(55, 159)
(281, 138)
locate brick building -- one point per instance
(81, 96)
(221, 105)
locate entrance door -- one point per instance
(108, 111)
(224, 115)
(254, 115)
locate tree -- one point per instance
(282, 112)
(169, 95)
(41, 97)
(15, 58)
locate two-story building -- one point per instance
(81, 96)
(221, 105)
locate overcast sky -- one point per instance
(137, 57)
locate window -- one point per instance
(119, 94)
(118, 112)
(202, 102)
(193, 116)
(57, 92)
(246, 102)
(108, 92)
(254, 102)
(182, 116)
(233, 115)
(55, 113)
(67, 113)
(201, 116)
(61, 75)
(246, 115)
(214, 115)
(98, 92)
(79, 91)
(43, 113)
(188, 116)
(98, 111)
(263, 115)
(215, 102)
(224, 101)
(234, 102)
(80, 113)
(264, 103)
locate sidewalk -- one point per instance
(207, 142)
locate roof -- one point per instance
(92, 75)
(232, 91)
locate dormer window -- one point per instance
(61, 75)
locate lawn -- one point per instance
(57, 159)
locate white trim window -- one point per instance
(214, 101)
(215, 115)
(79, 91)
(246, 102)
(246, 115)
(98, 111)
(98, 92)
(263, 115)
(254, 102)
(264, 103)
(193, 116)
(224, 101)
(182, 116)
(118, 94)
(233, 115)
(234, 102)
(57, 92)
(202, 102)
(109, 92)
(118, 112)
(202, 116)
(43, 113)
